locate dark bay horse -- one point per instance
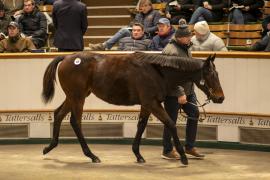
(136, 78)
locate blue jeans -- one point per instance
(238, 17)
(201, 14)
(123, 32)
(172, 107)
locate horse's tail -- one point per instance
(49, 79)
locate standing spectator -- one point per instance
(178, 98)
(15, 42)
(70, 22)
(148, 17)
(13, 7)
(165, 33)
(4, 21)
(244, 11)
(137, 41)
(33, 23)
(178, 9)
(204, 40)
(210, 10)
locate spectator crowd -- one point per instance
(150, 30)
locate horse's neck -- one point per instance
(176, 77)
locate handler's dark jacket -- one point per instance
(34, 24)
(254, 5)
(130, 44)
(70, 22)
(217, 8)
(175, 49)
(149, 21)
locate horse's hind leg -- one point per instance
(161, 114)
(143, 118)
(59, 115)
(75, 121)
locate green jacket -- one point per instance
(22, 45)
(174, 49)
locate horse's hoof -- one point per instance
(184, 160)
(96, 160)
(140, 160)
(45, 150)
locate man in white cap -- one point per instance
(164, 35)
(204, 40)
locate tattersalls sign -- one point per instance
(119, 116)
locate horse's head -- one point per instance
(209, 82)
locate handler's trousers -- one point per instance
(172, 107)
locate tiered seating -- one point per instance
(160, 7)
(244, 35)
(266, 9)
(47, 9)
(105, 18)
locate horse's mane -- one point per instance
(180, 63)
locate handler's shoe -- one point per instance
(97, 47)
(194, 152)
(173, 155)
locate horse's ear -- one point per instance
(207, 61)
(213, 57)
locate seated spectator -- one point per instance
(15, 42)
(204, 40)
(178, 9)
(137, 41)
(13, 7)
(211, 10)
(165, 33)
(262, 45)
(244, 11)
(148, 17)
(4, 21)
(33, 23)
(266, 25)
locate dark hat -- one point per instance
(183, 30)
(164, 21)
(14, 24)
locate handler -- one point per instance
(178, 98)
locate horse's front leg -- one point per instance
(143, 118)
(162, 115)
(75, 121)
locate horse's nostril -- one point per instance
(221, 99)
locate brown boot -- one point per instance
(97, 47)
(194, 152)
(173, 155)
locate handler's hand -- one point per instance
(182, 99)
